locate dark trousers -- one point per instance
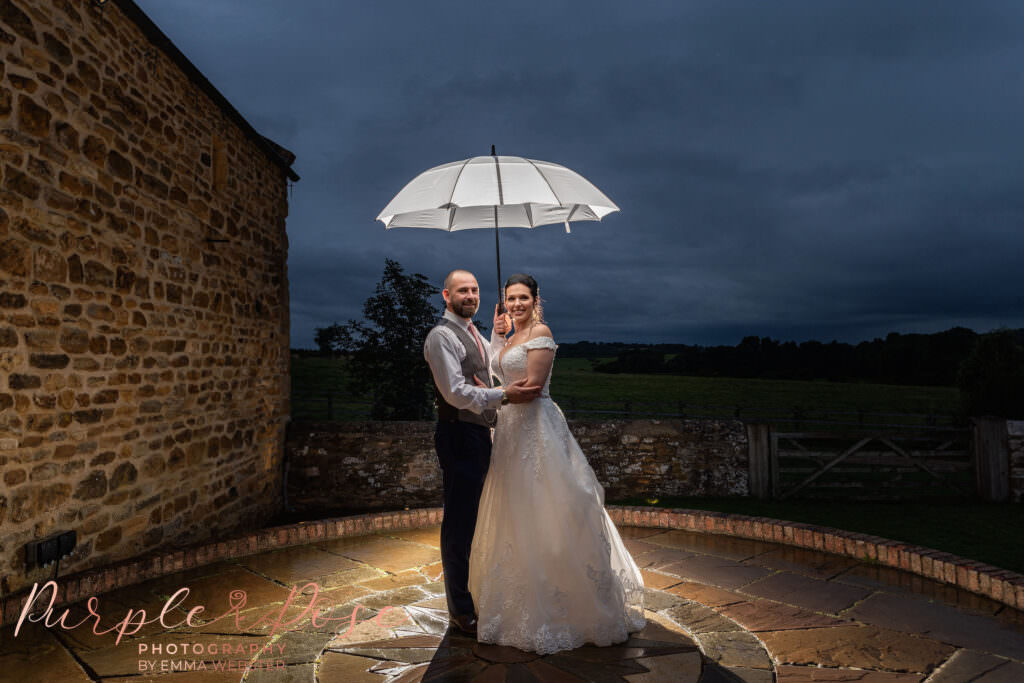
(464, 452)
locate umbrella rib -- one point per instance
(497, 171)
(456, 183)
(553, 193)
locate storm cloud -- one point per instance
(794, 169)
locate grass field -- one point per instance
(573, 378)
(979, 531)
(574, 384)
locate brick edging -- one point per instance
(998, 584)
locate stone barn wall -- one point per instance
(338, 468)
(143, 293)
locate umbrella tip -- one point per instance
(492, 151)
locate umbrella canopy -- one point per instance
(496, 191)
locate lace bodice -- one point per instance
(510, 366)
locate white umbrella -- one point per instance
(495, 192)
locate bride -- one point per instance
(547, 570)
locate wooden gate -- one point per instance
(872, 465)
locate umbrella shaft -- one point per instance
(497, 253)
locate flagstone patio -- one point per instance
(719, 609)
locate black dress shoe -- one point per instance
(465, 623)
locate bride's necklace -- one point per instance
(510, 345)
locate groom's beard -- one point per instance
(466, 309)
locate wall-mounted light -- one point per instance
(99, 3)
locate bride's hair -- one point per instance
(531, 284)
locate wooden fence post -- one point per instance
(759, 460)
(991, 458)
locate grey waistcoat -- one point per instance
(472, 366)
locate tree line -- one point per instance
(919, 359)
(385, 354)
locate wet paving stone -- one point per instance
(300, 673)
(967, 665)
(545, 673)
(808, 674)
(659, 601)
(430, 536)
(700, 619)
(765, 615)
(391, 555)
(297, 565)
(1011, 672)
(382, 616)
(655, 557)
(350, 576)
(941, 622)
(802, 561)
(499, 654)
(394, 598)
(430, 620)
(296, 647)
(37, 654)
(716, 571)
(711, 544)
(658, 580)
(682, 666)
(894, 581)
(802, 591)
(343, 668)
(748, 675)
(863, 647)
(705, 595)
(735, 648)
(433, 572)
(407, 578)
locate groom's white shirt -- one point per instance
(445, 353)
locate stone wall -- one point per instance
(143, 367)
(1015, 441)
(341, 468)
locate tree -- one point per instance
(991, 378)
(329, 339)
(385, 352)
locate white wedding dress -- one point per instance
(547, 570)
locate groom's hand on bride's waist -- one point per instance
(521, 392)
(517, 392)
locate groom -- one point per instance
(466, 403)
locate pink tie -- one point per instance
(479, 344)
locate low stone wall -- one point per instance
(359, 467)
(1015, 443)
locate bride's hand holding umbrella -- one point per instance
(502, 322)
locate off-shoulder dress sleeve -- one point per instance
(540, 343)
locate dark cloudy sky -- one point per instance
(804, 170)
